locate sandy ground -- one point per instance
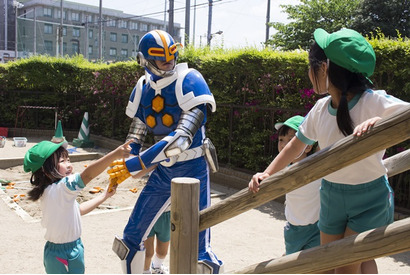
(252, 237)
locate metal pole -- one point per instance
(209, 37)
(193, 31)
(100, 34)
(15, 33)
(187, 20)
(165, 15)
(86, 38)
(171, 18)
(267, 22)
(60, 38)
(35, 33)
(5, 24)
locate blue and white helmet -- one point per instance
(157, 45)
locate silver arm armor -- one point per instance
(137, 131)
(188, 125)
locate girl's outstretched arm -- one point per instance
(98, 166)
(87, 206)
(291, 151)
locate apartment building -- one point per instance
(39, 26)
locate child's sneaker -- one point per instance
(159, 270)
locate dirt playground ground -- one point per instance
(249, 238)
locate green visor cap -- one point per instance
(292, 122)
(39, 153)
(348, 49)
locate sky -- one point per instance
(242, 22)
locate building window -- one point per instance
(113, 51)
(123, 24)
(47, 12)
(90, 18)
(113, 36)
(48, 46)
(153, 27)
(58, 14)
(76, 32)
(144, 27)
(111, 23)
(75, 48)
(124, 52)
(75, 16)
(133, 25)
(64, 31)
(48, 28)
(90, 50)
(124, 38)
(136, 39)
(65, 47)
(90, 33)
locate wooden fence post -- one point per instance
(184, 225)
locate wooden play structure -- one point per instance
(186, 223)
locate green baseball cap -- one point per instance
(39, 153)
(292, 122)
(348, 49)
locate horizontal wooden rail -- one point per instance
(383, 241)
(398, 163)
(386, 133)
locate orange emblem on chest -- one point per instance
(158, 103)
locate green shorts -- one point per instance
(301, 237)
(66, 258)
(162, 228)
(359, 207)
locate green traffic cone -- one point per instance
(58, 136)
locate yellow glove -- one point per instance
(118, 173)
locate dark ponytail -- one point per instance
(345, 81)
(47, 174)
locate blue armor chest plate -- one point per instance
(160, 111)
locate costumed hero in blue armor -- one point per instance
(172, 104)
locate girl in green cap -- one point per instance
(57, 187)
(358, 197)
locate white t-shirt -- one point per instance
(302, 205)
(320, 125)
(61, 212)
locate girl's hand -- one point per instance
(107, 194)
(255, 181)
(365, 126)
(124, 150)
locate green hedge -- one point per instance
(253, 89)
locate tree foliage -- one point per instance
(390, 16)
(330, 15)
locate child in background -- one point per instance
(357, 197)
(57, 188)
(302, 205)
(162, 232)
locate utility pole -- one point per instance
(171, 18)
(267, 23)
(86, 38)
(100, 34)
(187, 20)
(35, 33)
(6, 39)
(193, 31)
(165, 15)
(60, 36)
(209, 37)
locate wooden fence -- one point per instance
(386, 133)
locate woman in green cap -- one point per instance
(358, 197)
(57, 187)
